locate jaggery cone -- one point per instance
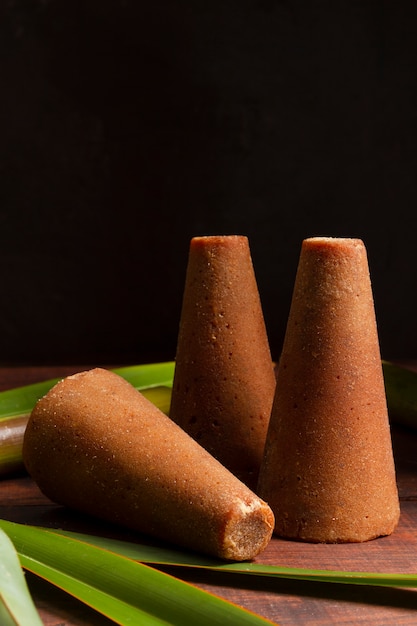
(94, 443)
(328, 471)
(224, 378)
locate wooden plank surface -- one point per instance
(281, 601)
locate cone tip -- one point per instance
(249, 530)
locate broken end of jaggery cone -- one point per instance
(248, 531)
(328, 471)
(224, 376)
(95, 444)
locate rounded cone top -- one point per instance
(328, 471)
(224, 379)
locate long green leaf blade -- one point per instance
(16, 605)
(13, 428)
(401, 393)
(21, 400)
(87, 572)
(110, 606)
(154, 380)
(11, 442)
(159, 396)
(162, 556)
(149, 375)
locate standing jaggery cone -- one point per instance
(224, 378)
(94, 443)
(328, 471)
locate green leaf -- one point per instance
(16, 606)
(153, 380)
(126, 591)
(150, 375)
(401, 393)
(11, 442)
(21, 400)
(156, 555)
(159, 396)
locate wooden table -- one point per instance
(281, 601)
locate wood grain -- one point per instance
(282, 601)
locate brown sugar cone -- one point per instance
(328, 471)
(224, 378)
(94, 443)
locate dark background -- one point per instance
(128, 127)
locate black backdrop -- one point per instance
(127, 127)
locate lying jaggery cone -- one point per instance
(328, 471)
(94, 443)
(224, 378)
